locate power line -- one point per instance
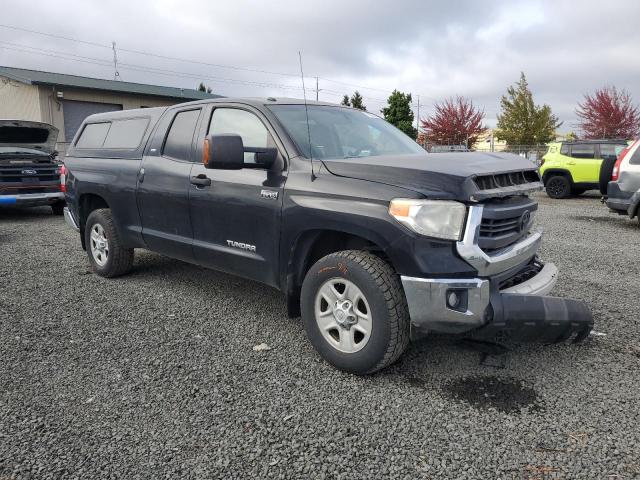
(134, 67)
(197, 62)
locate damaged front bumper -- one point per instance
(503, 303)
(521, 313)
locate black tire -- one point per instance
(58, 208)
(558, 186)
(389, 313)
(118, 259)
(606, 170)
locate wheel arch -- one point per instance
(556, 171)
(310, 246)
(87, 203)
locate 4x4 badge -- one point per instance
(270, 194)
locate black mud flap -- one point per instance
(533, 318)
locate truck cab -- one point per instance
(371, 239)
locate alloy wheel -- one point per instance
(343, 315)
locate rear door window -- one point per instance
(635, 158)
(126, 134)
(180, 137)
(611, 150)
(93, 135)
(583, 150)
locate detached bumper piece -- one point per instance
(484, 311)
(531, 318)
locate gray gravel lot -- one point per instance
(153, 375)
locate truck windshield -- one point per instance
(338, 132)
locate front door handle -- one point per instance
(201, 180)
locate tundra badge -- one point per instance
(270, 194)
(242, 246)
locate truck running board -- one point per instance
(533, 318)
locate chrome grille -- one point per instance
(504, 222)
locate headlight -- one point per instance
(432, 218)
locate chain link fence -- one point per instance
(533, 153)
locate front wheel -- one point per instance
(558, 186)
(354, 311)
(107, 256)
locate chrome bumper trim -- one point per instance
(507, 258)
(26, 198)
(541, 284)
(68, 217)
(427, 301)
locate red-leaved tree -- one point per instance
(455, 121)
(608, 113)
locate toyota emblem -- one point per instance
(524, 221)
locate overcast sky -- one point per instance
(433, 49)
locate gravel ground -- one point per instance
(153, 375)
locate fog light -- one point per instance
(453, 299)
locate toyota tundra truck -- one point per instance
(372, 240)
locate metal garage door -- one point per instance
(75, 112)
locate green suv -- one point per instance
(572, 168)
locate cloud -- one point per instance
(430, 48)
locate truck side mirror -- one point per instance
(265, 157)
(223, 151)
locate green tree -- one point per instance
(398, 112)
(203, 88)
(356, 101)
(345, 101)
(521, 121)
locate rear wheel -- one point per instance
(354, 311)
(558, 186)
(57, 208)
(107, 256)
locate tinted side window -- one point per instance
(253, 132)
(583, 150)
(126, 134)
(93, 135)
(179, 139)
(635, 158)
(564, 150)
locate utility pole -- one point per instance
(418, 121)
(317, 89)
(116, 73)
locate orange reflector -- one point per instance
(398, 209)
(205, 153)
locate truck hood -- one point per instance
(25, 134)
(461, 176)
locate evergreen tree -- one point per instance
(398, 112)
(345, 101)
(522, 122)
(356, 101)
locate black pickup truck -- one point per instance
(371, 239)
(29, 173)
